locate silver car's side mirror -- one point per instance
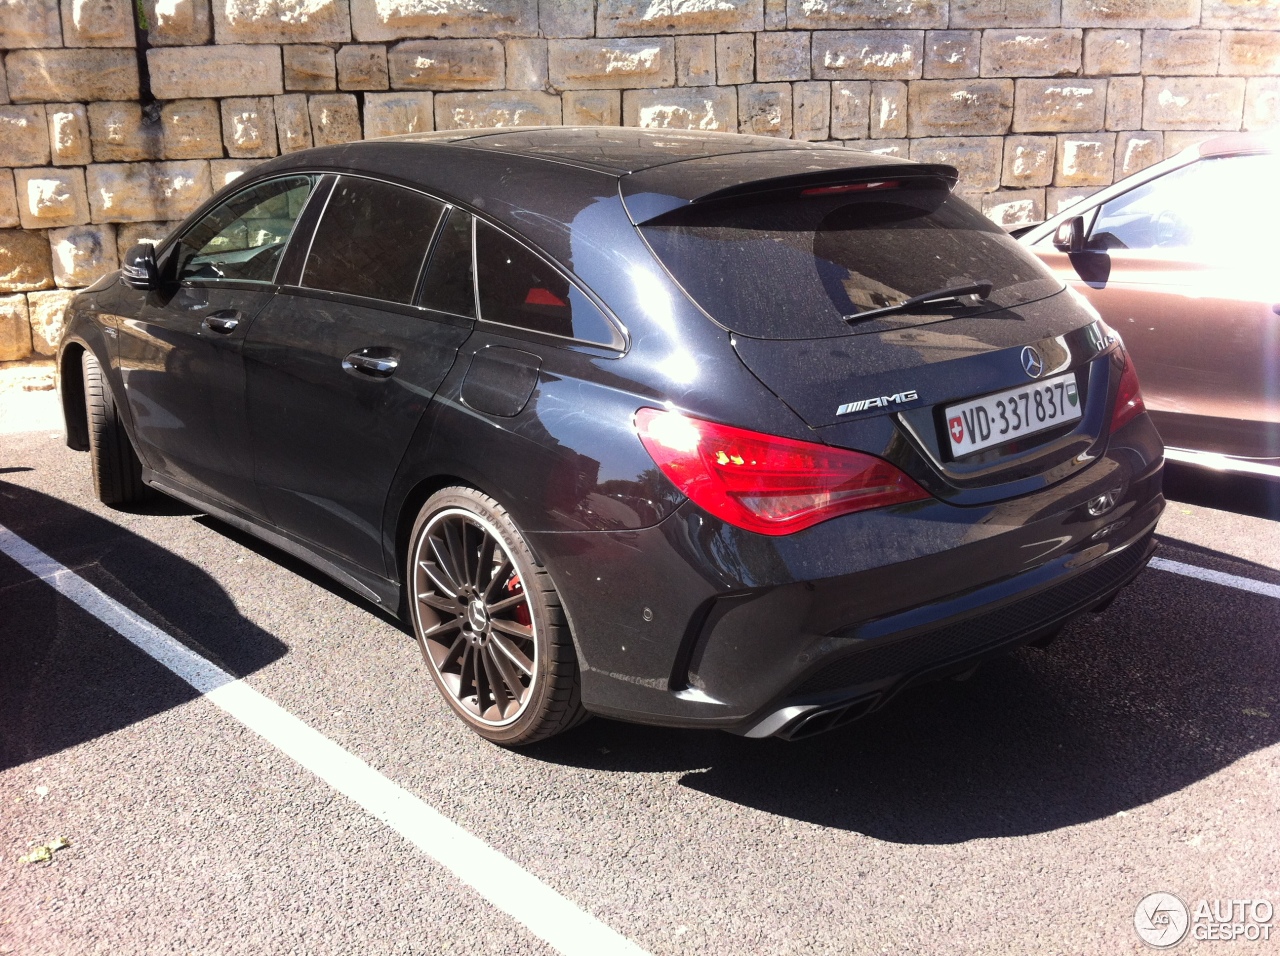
(1069, 236)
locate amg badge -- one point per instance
(883, 401)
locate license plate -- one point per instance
(1004, 416)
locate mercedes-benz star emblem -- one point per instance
(1032, 363)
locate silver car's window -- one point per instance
(243, 238)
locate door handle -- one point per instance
(377, 362)
(223, 322)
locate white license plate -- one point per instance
(1004, 416)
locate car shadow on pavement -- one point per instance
(1174, 682)
(65, 677)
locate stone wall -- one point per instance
(116, 119)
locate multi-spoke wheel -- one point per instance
(489, 621)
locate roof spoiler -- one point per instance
(832, 179)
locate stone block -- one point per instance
(1031, 52)
(593, 107)
(89, 23)
(977, 159)
(735, 58)
(24, 136)
(363, 66)
(707, 107)
(249, 127)
(71, 76)
(30, 23)
(1059, 106)
(1193, 103)
(1180, 52)
(1247, 14)
(1111, 52)
(129, 234)
(1057, 199)
(611, 64)
(192, 129)
(184, 73)
(1028, 161)
(695, 61)
(893, 148)
(447, 65)
(281, 21)
(526, 64)
(8, 201)
(866, 14)
(479, 110)
(48, 316)
(309, 67)
(1171, 14)
(1005, 13)
(178, 22)
(51, 197)
(25, 263)
(811, 111)
(378, 20)
(764, 109)
(144, 192)
(1262, 103)
(223, 172)
(1010, 208)
(83, 254)
(1175, 141)
(888, 116)
(960, 107)
(868, 55)
(1137, 150)
(293, 122)
(1250, 53)
(4, 86)
(121, 133)
(391, 114)
(1085, 159)
(951, 54)
(618, 18)
(563, 19)
(782, 56)
(775, 14)
(69, 143)
(335, 118)
(851, 108)
(15, 328)
(1124, 103)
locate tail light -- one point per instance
(1129, 404)
(763, 483)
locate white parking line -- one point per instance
(515, 891)
(1217, 577)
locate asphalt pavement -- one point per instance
(1026, 810)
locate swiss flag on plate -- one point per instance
(957, 429)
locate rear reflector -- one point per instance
(850, 188)
(764, 483)
(1129, 404)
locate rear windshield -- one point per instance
(796, 267)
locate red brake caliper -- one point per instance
(522, 611)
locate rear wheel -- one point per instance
(117, 472)
(489, 621)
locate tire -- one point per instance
(489, 621)
(117, 472)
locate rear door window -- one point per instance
(450, 283)
(372, 240)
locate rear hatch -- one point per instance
(811, 279)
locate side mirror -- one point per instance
(139, 269)
(1069, 236)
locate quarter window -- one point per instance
(372, 240)
(243, 238)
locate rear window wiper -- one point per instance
(979, 287)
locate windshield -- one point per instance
(798, 267)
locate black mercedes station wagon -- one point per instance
(689, 429)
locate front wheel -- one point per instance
(489, 621)
(117, 472)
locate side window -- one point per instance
(520, 288)
(450, 284)
(371, 240)
(244, 237)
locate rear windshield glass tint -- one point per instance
(371, 240)
(795, 267)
